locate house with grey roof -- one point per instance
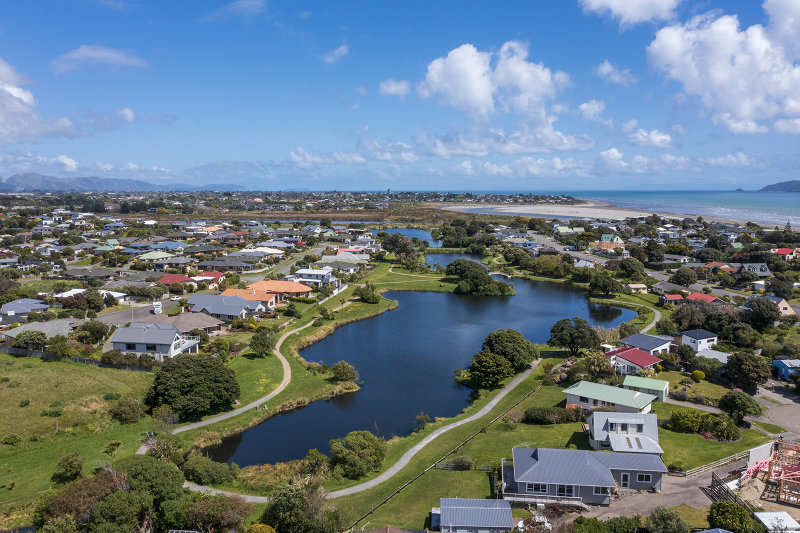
(696, 339)
(162, 341)
(472, 516)
(590, 395)
(623, 432)
(652, 344)
(51, 328)
(23, 306)
(577, 477)
(226, 308)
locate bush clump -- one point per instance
(552, 415)
(204, 471)
(698, 376)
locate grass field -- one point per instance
(694, 518)
(693, 450)
(257, 376)
(772, 428)
(705, 388)
(49, 285)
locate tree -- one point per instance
(206, 471)
(747, 370)
(665, 326)
(30, 340)
(730, 516)
(263, 342)
(286, 510)
(60, 524)
(684, 276)
(664, 520)
(357, 453)
(475, 279)
(194, 386)
(69, 468)
(487, 369)
(128, 410)
(160, 480)
(219, 512)
(738, 405)
(654, 251)
(91, 331)
(344, 371)
(763, 312)
(574, 334)
(686, 354)
(630, 266)
(119, 511)
(603, 283)
(165, 418)
(510, 344)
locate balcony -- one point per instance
(507, 472)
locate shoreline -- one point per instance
(587, 209)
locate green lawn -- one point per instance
(693, 450)
(705, 388)
(49, 285)
(766, 426)
(694, 518)
(257, 376)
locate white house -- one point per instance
(162, 341)
(314, 277)
(696, 339)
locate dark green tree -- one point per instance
(194, 386)
(510, 344)
(730, 517)
(683, 276)
(156, 479)
(91, 332)
(487, 369)
(263, 342)
(603, 283)
(763, 312)
(664, 520)
(287, 512)
(119, 511)
(219, 512)
(357, 453)
(738, 405)
(30, 340)
(344, 371)
(575, 334)
(747, 370)
(69, 468)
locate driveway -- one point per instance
(134, 314)
(560, 247)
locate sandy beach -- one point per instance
(589, 209)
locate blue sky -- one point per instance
(364, 95)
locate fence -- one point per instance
(453, 466)
(719, 491)
(21, 352)
(716, 464)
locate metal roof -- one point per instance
(648, 438)
(645, 383)
(579, 467)
(607, 393)
(23, 305)
(644, 341)
(475, 513)
(221, 305)
(146, 333)
(51, 328)
(698, 334)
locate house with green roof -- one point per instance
(155, 255)
(591, 395)
(610, 237)
(658, 387)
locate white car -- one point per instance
(174, 298)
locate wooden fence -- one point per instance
(22, 352)
(452, 466)
(712, 466)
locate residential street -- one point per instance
(140, 313)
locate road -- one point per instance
(139, 313)
(560, 247)
(285, 268)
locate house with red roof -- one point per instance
(674, 299)
(631, 361)
(169, 279)
(702, 297)
(787, 254)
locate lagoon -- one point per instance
(406, 359)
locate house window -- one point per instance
(537, 488)
(584, 399)
(639, 428)
(566, 490)
(130, 347)
(612, 426)
(600, 491)
(150, 347)
(644, 478)
(623, 428)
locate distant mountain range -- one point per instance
(31, 182)
(784, 186)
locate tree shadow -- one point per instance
(579, 439)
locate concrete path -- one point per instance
(707, 408)
(403, 461)
(287, 377)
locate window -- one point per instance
(644, 478)
(639, 428)
(566, 490)
(623, 428)
(612, 426)
(150, 347)
(130, 347)
(584, 399)
(537, 488)
(600, 491)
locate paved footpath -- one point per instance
(403, 461)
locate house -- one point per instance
(623, 432)
(225, 265)
(722, 357)
(172, 262)
(664, 287)
(284, 289)
(590, 395)
(51, 328)
(224, 307)
(786, 368)
(703, 298)
(472, 516)
(315, 277)
(577, 477)
(169, 279)
(636, 288)
(162, 341)
(783, 305)
(23, 306)
(186, 322)
(120, 297)
(657, 387)
(269, 299)
(787, 254)
(696, 339)
(89, 273)
(759, 269)
(673, 299)
(627, 360)
(610, 237)
(652, 344)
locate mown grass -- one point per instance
(771, 428)
(49, 285)
(693, 450)
(257, 376)
(711, 391)
(694, 518)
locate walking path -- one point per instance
(403, 461)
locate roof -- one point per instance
(699, 334)
(250, 294)
(788, 363)
(777, 521)
(701, 297)
(51, 328)
(156, 254)
(23, 305)
(645, 342)
(673, 297)
(579, 467)
(644, 442)
(722, 357)
(169, 279)
(279, 286)
(220, 305)
(475, 513)
(645, 383)
(607, 393)
(784, 251)
(635, 355)
(186, 322)
(212, 274)
(145, 332)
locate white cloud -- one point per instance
(393, 152)
(361, 90)
(70, 164)
(19, 119)
(654, 138)
(15, 162)
(629, 125)
(395, 88)
(742, 77)
(784, 24)
(466, 80)
(786, 125)
(304, 159)
(612, 161)
(592, 110)
(633, 11)
(738, 159)
(245, 9)
(526, 167)
(609, 72)
(103, 167)
(336, 54)
(127, 114)
(91, 54)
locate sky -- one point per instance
(361, 95)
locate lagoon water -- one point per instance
(406, 359)
(421, 234)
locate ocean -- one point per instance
(756, 206)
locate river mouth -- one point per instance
(406, 359)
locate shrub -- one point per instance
(729, 516)
(624, 524)
(690, 421)
(24, 403)
(699, 399)
(112, 396)
(69, 468)
(204, 471)
(128, 410)
(357, 453)
(462, 462)
(344, 371)
(724, 428)
(698, 376)
(676, 466)
(12, 439)
(552, 415)
(679, 395)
